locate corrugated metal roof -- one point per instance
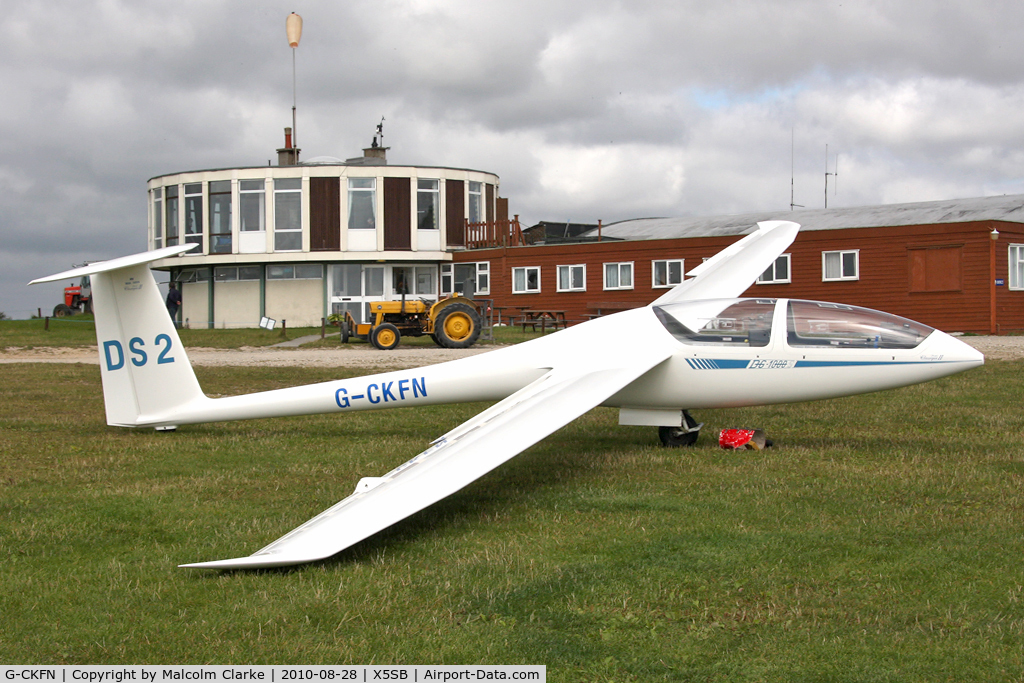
(1002, 208)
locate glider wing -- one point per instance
(730, 272)
(454, 460)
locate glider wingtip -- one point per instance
(774, 225)
(251, 562)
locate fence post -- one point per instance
(323, 327)
(46, 323)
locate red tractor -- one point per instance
(77, 299)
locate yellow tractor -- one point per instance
(453, 323)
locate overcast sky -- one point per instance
(587, 110)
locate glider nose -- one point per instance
(959, 354)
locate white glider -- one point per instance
(697, 346)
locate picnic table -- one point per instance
(606, 307)
(543, 317)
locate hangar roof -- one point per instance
(1002, 208)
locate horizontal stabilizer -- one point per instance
(117, 263)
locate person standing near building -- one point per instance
(173, 301)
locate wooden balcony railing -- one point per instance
(504, 233)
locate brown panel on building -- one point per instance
(397, 214)
(324, 214)
(935, 269)
(490, 203)
(455, 212)
(502, 208)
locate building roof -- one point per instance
(1008, 208)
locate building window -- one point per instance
(236, 273)
(476, 202)
(252, 207)
(777, 273)
(526, 280)
(840, 265)
(426, 280)
(194, 275)
(158, 218)
(414, 280)
(194, 215)
(288, 214)
(220, 217)
(572, 278)
(668, 273)
(171, 209)
(362, 203)
(618, 275)
(428, 204)
(468, 279)
(1017, 266)
(296, 271)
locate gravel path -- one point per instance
(365, 356)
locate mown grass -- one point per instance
(80, 330)
(879, 541)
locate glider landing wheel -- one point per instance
(675, 437)
(385, 336)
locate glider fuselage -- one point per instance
(712, 371)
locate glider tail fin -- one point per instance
(146, 373)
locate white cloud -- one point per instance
(586, 110)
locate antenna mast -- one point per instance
(792, 169)
(835, 185)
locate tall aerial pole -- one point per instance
(293, 26)
(834, 175)
(792, 170)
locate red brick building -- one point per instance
(957, 265)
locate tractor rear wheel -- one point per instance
(385, 336)
(62, 310)
(457, 326)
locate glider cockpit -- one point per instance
(749, 323)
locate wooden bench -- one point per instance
(605, 307)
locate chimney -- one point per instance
(376, 152)
(289, 154)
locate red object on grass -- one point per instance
(735, 438)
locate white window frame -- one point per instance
(526, 280)
(771, 278)
(293, 275)
(236, 273)
(158, 217)
(362, 189)
(620, 267)
(292, 231)
(482, 278)
(568, 270)
(842, 276)
(475, 208)
(668, 271)
(1015, 253)
(252, 190)
(428, 199)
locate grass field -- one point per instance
(881, 540)
(80, 331)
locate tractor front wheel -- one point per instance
(385, 336)
(457, 326)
